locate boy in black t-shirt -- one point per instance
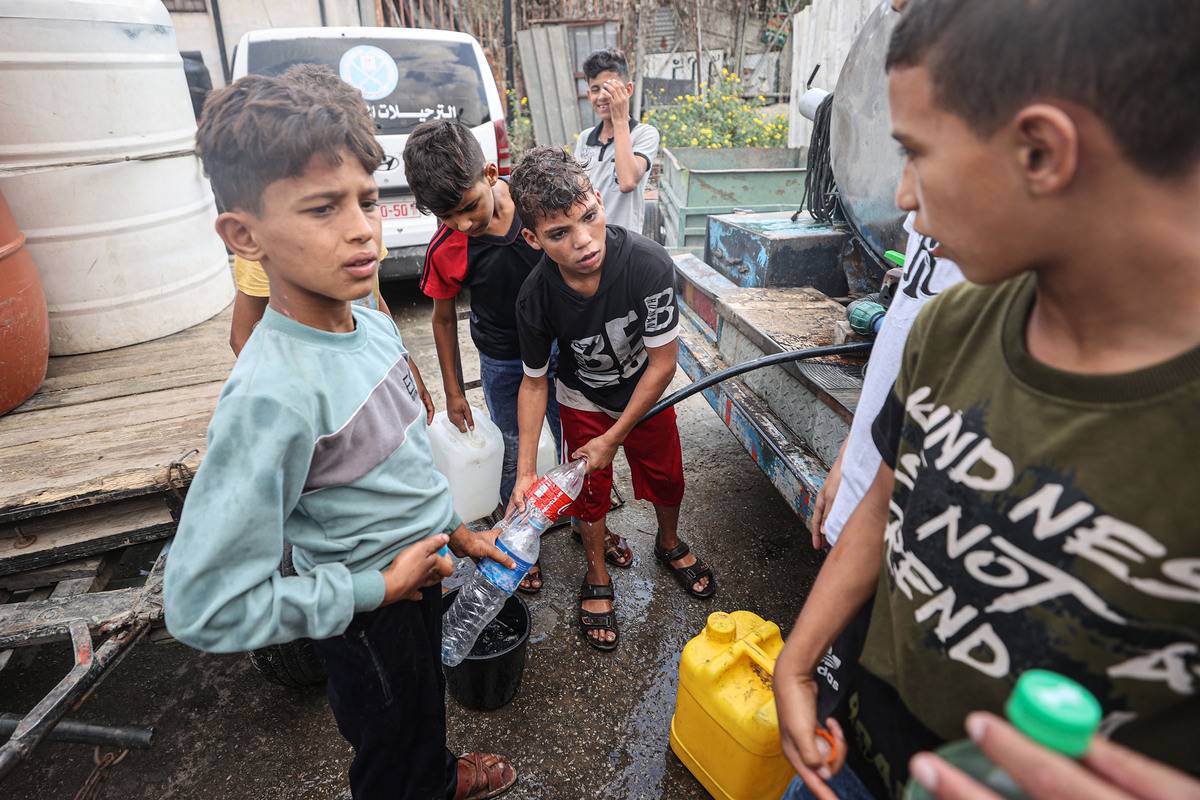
(607, 297)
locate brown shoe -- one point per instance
(483, 775)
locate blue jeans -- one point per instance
(845, 785)
(501, 383)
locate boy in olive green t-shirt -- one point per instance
(1034, 508)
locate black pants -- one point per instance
(387, 693)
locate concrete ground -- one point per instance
(584, 725)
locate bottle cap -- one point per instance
(1054, 711)
(721, 627)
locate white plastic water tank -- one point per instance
(96, 160)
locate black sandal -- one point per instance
(620, 546)
(598, 620)
(529, 576)
(690, 575)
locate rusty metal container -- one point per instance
(24, 324)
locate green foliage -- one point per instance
(520, 127)
(719, 118)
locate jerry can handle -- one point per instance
(764, 661)
(731, 656)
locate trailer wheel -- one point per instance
(652, 222)
(294, 665)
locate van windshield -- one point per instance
(404, 81)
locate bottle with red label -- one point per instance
(482, 597)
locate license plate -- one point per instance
(398, 210)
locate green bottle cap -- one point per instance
(1054, 711)
(895, 257)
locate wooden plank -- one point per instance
(101, 467)
(205, 370)
(29, 623)
(108, 416)
(75, 534)
(22, 660)
(49, 576)
(196, 355)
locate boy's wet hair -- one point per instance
(1135, 65)
(548, 180)
(442, 160)
(609, 59)
(261, 129)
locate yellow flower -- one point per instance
(695, 141)
(762, 99)
(672, 118)
(706, 131)
(524, 101)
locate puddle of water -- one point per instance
(640, 756)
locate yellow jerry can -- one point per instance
(725, 729)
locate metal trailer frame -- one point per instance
(122, 618)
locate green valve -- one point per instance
(895, 256)
(866, 316)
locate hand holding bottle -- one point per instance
(1107, 771)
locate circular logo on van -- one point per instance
(370, 70)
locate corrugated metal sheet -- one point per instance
(664, 31)
(545, 64)
(586, 39)
(552, 59)
(822, 34)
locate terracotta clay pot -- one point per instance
(24, 324)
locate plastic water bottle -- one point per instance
(1053, 710)
(482, 597)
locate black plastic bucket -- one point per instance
(488, 682)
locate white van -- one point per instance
(407, 76)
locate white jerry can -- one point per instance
(471, 462)
(547, 458)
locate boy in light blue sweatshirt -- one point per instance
(319, 440)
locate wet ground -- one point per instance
(584, 725)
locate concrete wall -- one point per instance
(821, 34)
(196, 31)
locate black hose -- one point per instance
(748, 366)
(820, 187)
(67, 730)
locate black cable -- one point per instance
(748, 366)
(820, 187)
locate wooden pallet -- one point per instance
(106, 426)
(88, 467)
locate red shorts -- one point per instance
(652, 449)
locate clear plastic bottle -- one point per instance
(1053, 710)
(481, 598)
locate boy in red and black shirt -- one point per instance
(606, 297)
(477, 246)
